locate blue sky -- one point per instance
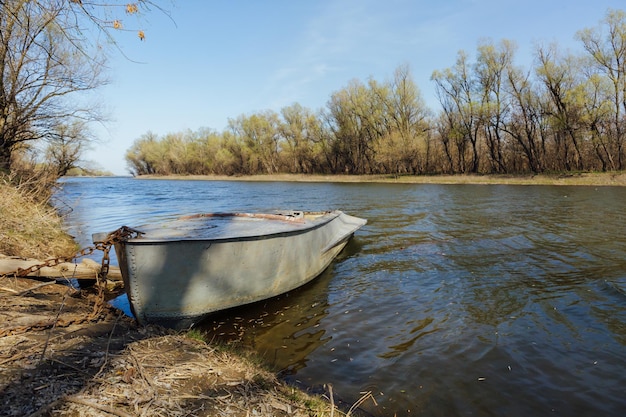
(215, 60)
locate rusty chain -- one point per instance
(121, 234)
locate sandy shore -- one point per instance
(587, 179)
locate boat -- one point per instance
(177, 273)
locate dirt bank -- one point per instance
(591, 179)
(67, 352)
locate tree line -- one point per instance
(566, 113)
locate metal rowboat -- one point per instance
(177, 273)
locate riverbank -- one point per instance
(66, 351)
(581, 179)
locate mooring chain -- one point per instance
(121, 234)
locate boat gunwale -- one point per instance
(268, 216)
(332, 215)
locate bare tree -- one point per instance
(66, 146)
(561, 78)
(298, 129)
(456, 90)
(260, 133)
(607, 46)
(491, 69)
(48, 57)
(42, 72)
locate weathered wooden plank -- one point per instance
(86, 269)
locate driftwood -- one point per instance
(87, 269)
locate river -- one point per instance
(454, 300)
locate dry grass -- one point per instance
(60, 356)
(172, 375)
(29, 226)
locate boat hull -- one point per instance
(177, 282)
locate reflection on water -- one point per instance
(283, 331)
(453, 300)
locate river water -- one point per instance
(454, 300)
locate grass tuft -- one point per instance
(29, 226)
(196, 334)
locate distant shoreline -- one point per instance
(587, 179)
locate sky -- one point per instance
(211, 61)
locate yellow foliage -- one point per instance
(142, 36)
(117, 24)
(131, 8)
